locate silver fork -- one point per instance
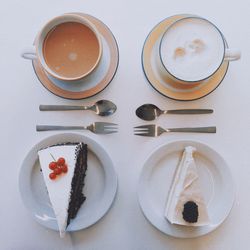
(96, 127)
(152, 130)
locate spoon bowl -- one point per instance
(103, 108)
(148, 112)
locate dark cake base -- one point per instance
(76, 195)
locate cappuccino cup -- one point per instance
(192, 49)
(68, 48)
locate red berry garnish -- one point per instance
(52, 165)
(57, 171)
(52, 176)
(61, 161)
(64, 168)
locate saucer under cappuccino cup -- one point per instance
(192, 49)
(68, 48)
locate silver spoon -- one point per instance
(102, 108)
(149, 112)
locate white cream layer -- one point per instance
(59, 189)
(186, 187)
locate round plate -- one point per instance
(100, 184)
(156, 178)
(97, 80)
(166, 86)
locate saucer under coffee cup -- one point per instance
(94, 82)
(159, 78)
(68, 48)
(191, 50)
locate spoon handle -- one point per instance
(189, 111)
(61, 107)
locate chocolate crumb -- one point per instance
(190, 212)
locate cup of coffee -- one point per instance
(192, 49)
(68, 48)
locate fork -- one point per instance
(152, 130)
(96, 127)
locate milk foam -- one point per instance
(192, 49)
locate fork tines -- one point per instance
(106, 127)
(143, 130)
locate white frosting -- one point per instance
(186, 187)
(192, 49)
(59, 188)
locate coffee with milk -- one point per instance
(192, 49)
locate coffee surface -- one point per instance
(192, 49)
(71, 49)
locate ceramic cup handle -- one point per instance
(232, 54)
(29, 53)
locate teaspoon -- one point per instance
(149, 112)
(102, 108)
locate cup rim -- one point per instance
(202, 79)
(53, 23)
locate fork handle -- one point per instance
(52, 127)
(61, 107)
(194, 130)
(189, 111)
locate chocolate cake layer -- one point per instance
(76, 196)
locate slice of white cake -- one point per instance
(64, 167)
(185, 204)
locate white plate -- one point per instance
(156, 178)
(100, 184)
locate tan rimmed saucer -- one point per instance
(167, 86)
(98, 80)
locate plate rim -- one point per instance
(109, 168)
(210, 228)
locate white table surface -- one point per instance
(124, 227)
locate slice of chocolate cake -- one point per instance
(64, 169)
